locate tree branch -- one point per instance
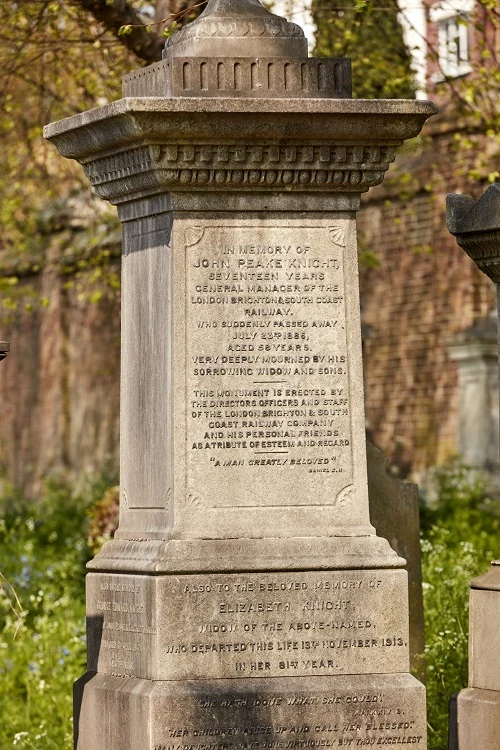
(146, 44)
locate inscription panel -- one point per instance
(121, 624)
(248, 625)
(269, 625)
(342, 712)
(268, 382)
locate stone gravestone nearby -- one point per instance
(476, 353)
(475, 712)
(246, 602)
(394, 511)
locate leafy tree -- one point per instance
(59, 57)
(54, 61)
(373, 38)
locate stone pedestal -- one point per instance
(246, 602)
(394, 511)
(477, 712)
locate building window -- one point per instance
(451, 18)
(454, 46)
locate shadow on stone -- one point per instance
(453, 719)
(94, 626)
(78, 692)
(394, 511)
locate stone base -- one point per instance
(478, 719)
(283, 713)
(214, 626)
(229, 555)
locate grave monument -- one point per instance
(246, 602)
(475, 711)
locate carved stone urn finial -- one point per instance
(237, 28)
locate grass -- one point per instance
(460, 538)
(42, 614)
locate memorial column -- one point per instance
(245, 599)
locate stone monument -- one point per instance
(475, 712)
(245, 602)
(475, 351)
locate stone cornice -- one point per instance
(484, 249)
(227, 167)
(136, 147)
(476, 226)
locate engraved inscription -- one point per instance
(120, 623)
(268, 625)
(267, 367)
(333, 716)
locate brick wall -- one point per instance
(59, 385)
(424, 289)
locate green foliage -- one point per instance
(367, 31)
(460, 538)
(42, 614)
(104, 520)
(54, 61)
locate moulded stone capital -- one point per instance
(484, 249)
(138, 147)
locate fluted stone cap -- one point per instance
(476, 225)
(237, 28)
(237, 48)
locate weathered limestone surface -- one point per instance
(316, 712)
(245, 549)
(181, 630)
(477, 711)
